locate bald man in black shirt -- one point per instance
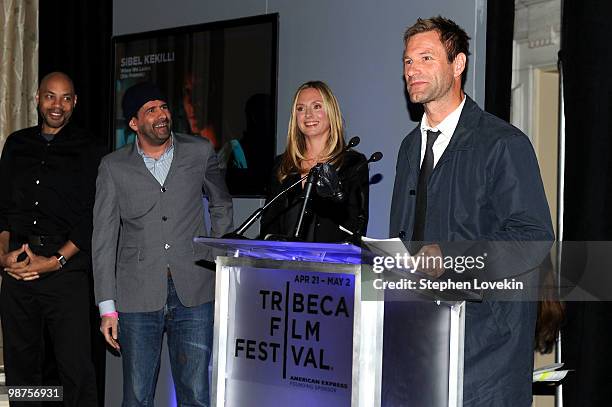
(49, 174)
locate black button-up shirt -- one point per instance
(49, 186)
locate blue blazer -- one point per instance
(485, 187)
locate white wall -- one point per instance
(353, 45)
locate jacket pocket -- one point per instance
(129, 255)
(138, 201)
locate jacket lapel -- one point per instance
(137, 162)
(414, 151)
(462, 137)
(175, 153)
(402, 214)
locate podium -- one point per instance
(300, 324)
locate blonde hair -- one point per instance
(296, 144)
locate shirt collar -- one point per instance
(64, 131)
(448, 125)
(168, 149)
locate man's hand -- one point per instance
(431, 261)
(33, 266)
(9, 259)
(108, 327)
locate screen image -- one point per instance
(220, 83)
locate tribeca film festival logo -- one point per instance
(404, 262)
(296, 341)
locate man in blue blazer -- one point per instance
(483, 184)
(147, 211)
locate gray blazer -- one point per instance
(141, 227)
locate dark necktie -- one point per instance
(418, 233)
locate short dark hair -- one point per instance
(454, 38)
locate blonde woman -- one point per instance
(316, 135)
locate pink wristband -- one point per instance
(114, 314)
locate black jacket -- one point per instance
(326, 214)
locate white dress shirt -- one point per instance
(446, 128)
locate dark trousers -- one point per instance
(60, 303)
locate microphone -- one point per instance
(328, 184)
(239, 232)
(353, 142)
(314, 178)
(377, 156)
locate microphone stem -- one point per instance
(310, 181)
(257, 214)
(247, 223)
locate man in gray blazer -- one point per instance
(147, 211)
